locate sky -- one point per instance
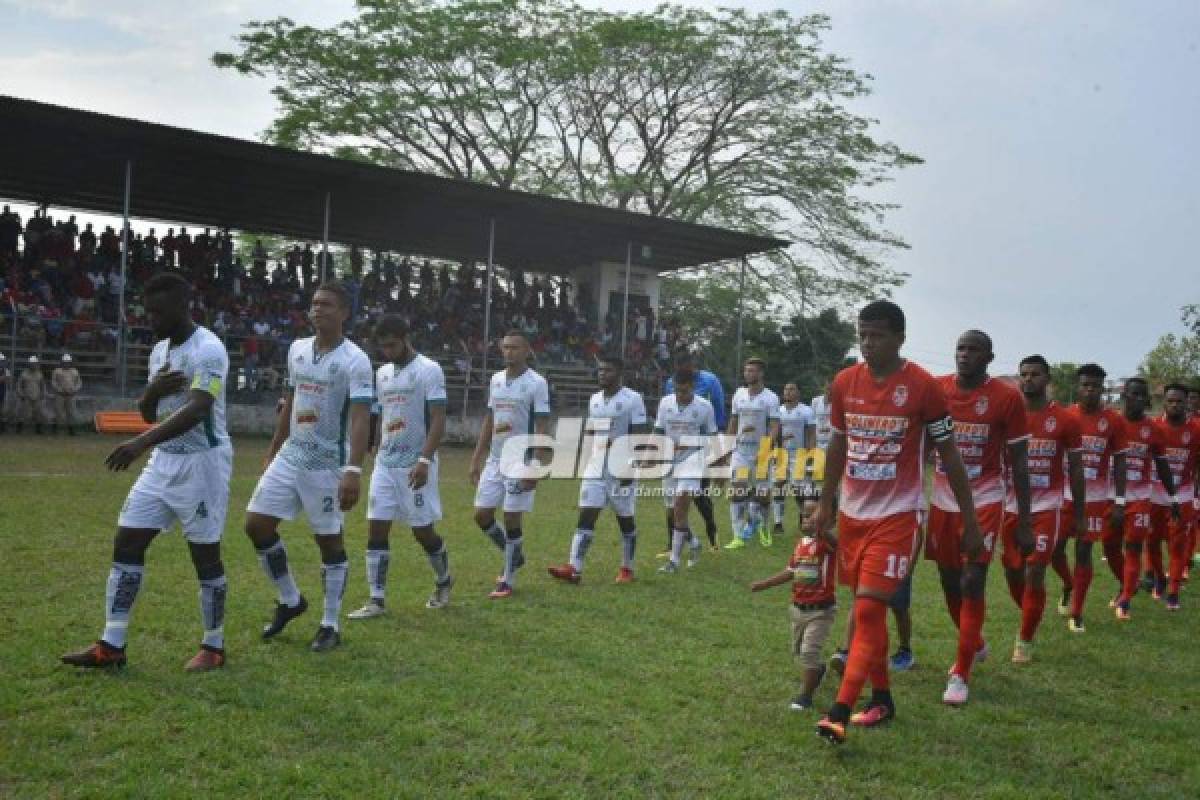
(1055, 209)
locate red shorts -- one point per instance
(945, 535)
(876, 554)
(1163, 528)
(1046, 526)
(1096, 515)
(1137, 521)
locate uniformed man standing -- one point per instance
(66, 383)
(31, 388)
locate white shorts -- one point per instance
(673, 487)
(601, 492)
(495, 490)
(285, 490)
(391, 497)
(741, 462)
(192, 488)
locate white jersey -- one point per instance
(202, 358)
(514, 404)
(754, 413)
(793, 422)
(821, 411)
(694, 419)
(405, 394)
(324, 387)
(620, 412)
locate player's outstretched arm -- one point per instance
(1018, 457)
(774, 580)
(1078, 490)
(191, 414)
(956, 473)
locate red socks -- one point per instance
(1083, 580)
(1132, 572)
(1179, 559)
(1061, 568)
(970, 634)
(1033, 605)
(1115, 558)
(868, 650)
(1154, 559)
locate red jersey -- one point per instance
(986, 420)
(813, 571)
(885, 424)
(1053, 432)
(1103, 435)
(1181, 445)
(1143, 444)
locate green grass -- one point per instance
(675, 686)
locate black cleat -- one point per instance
(101, 655)
(326, 639)
(284, 615)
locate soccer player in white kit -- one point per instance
(185, 480)
(753, 416)
(518, 404)
(689, 422)
(614, 413)
(330, 392)
(796, 435)
(411, 392)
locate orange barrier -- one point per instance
(121, 422)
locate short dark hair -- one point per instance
(684, 376)
(1038, 359)
(168, 282)
(1091, 371)
(515, 332)
(1176, 386)
(883, 311)
(981, 335)
(337, 289)
(1138, 379)
(613, 360)
(391, 325)
(756, 360)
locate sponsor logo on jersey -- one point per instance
(1050, 424)
(981, 406)
(1145, 431)
(1102, 425)
(306, 417)
(900, 396)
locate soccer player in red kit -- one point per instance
(880, 412)
(1144, 452)
(1053, 439)
(1102, 431)
(1181, 439)
(990, 430)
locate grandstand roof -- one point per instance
(76, 159)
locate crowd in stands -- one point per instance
(64, 287)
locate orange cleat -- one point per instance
(209, 658)
(830, 731)
(501, 592)
(625, 575)
(101, 655)
(565, 572)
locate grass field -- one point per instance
(675, 686)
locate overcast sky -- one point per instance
(1057, 208)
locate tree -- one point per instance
(724, 117)
(1174, 358)
(1062, 381)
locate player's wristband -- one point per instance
(352, 468)
(425, 461)
(1120, 501)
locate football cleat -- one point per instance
(209, 658)
(1122, 612)
(1113, 603)
(830, 731)
(736, 543)
(1022, 652)
(1075, 625)
(693, 555)
(565, 573)
(501, 592)
(801, 702)
(665, 554)
(100, 655)
(902, 661)
(284, 615)
(669, 568)
(981, 655)
(764, 536)
(441, 594)
(956, 691)
(1160, 589)
(1064, 603)
(373, 608)
(624, 575)
(326, 639)
(873, 714)
(1172, 602)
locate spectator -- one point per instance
(31, 390)
(250, 361)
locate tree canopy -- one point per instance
(723, 117)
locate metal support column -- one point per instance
(737, 367)
(122, 331)
(625, 304)
(325, 240)
(487, 296)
